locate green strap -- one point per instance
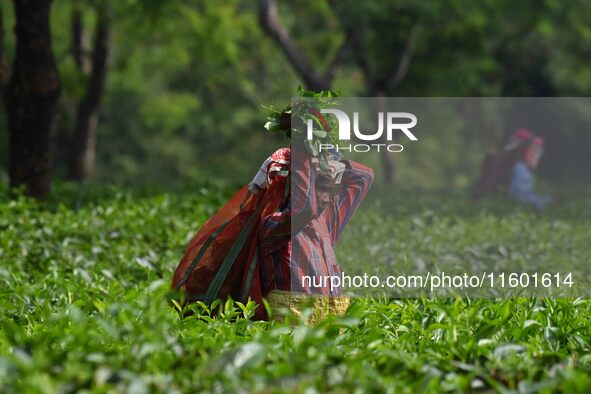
(220, 277)
(195, 261)
(250, 274)
(254, 261)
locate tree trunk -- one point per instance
(32, 98)
(82, 153)
(388, 162)
(77, 46)
(3, 65)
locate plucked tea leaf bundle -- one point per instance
(293, 121)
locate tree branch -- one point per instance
(100, 53)
(269, 21)
(401, 69)
(361, 59)
(82, 148)
(338, 59)
(77, 48)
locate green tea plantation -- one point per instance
(85, 305)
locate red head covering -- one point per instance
(280, 160)
(523, 134)
(519, 138)
(276, 164)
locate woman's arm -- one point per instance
(355, 183)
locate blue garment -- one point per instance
(521, 187)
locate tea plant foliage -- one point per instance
(85, 307)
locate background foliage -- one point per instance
(186, 78)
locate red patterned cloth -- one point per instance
(246, 249)
(222, 258)
(277, 163)
(316, 227)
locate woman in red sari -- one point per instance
(282, 226)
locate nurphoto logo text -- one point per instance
(394, 121)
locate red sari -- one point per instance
(222, 258)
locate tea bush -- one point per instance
(85, 307)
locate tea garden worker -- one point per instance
(298, 239)
(222, 260)
(276, 229)
(496, 171)
(521, 186)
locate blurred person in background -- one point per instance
(521, 185)
(497, 169)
